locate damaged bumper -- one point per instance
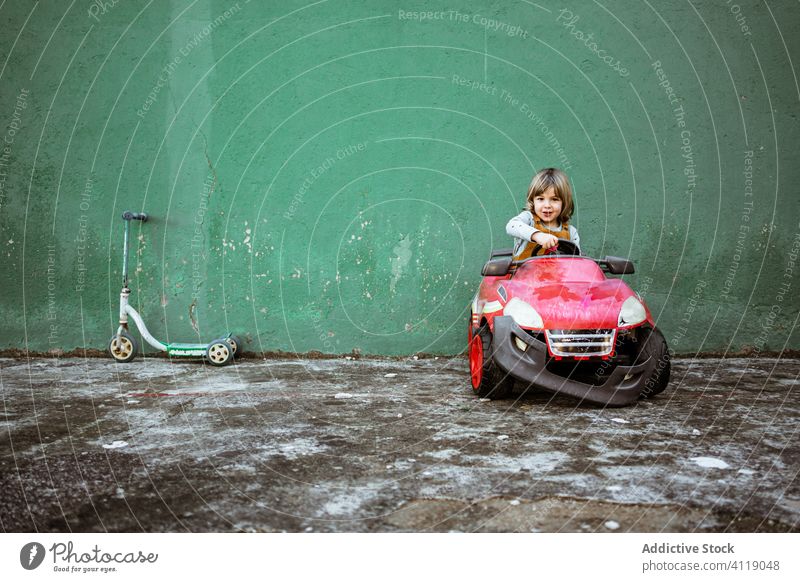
(622, 386)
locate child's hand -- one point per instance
(545, 240)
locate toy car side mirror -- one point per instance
(497, 267)
(617, 266)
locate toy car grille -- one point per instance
(580, 342)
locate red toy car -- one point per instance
(558, 323)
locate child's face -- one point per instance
(547, 206)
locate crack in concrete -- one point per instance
(210, 164)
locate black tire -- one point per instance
(488, 381)
(654, 345)
(125, 350)
(219, 352)
(236, 344)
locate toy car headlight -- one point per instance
(523, 314)
(631, 313)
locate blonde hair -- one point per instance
(560, 184)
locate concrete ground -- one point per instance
(365, 445)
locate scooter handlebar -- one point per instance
(128, 215)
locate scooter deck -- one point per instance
(187, 349)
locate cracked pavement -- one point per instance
(88, 445)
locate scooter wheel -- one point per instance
(123, 350)
(219, 352)
(236, 344)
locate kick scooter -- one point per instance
(123, 346)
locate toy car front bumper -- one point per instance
(621, 387)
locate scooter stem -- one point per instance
(125, 256)
(127, 216)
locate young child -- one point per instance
(546, 215)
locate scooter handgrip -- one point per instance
(128, 215)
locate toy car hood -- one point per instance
(569, 293)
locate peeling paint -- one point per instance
(402, 256)
(193, 316)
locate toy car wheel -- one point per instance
(236, 345)
(488, 381)
(655, 346)
(124, 348)
(219, 352)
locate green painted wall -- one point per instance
(332, 175)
